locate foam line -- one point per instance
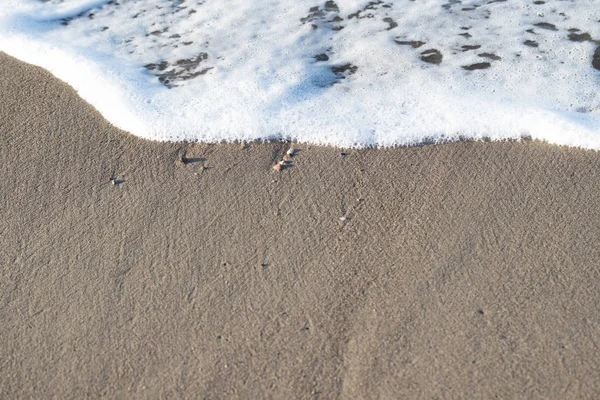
(348, 73)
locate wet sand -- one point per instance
(465, 270)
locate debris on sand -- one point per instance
(285, 160)
(114, 181)
(280, 165)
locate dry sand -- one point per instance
(467, 270)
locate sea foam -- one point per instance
(348, 73)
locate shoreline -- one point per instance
(457, 270)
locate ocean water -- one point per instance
(350, 73)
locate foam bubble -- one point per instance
(346, 72)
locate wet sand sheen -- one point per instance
(459, 270)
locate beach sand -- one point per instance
(464, 270)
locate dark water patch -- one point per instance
(371, 6)
(392, 24)
(192, 62)
(341, 71)
(334, 75)
(546, 25)
(466, 35)
(161, 66)
(470, 47)
(331, 6)
(450, 4)
(158, 32)
(314, 14)
(596, 59)
(322, 57)
(491, 56)
(318, 15)
(432, 56)
(86, 13)
(531, 43)
(171, 74)
(414, 43)
(579, 37)
(473, 67)
(539, 3)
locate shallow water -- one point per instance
(347, 72)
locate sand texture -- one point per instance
(466, 270)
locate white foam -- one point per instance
(247, 69)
